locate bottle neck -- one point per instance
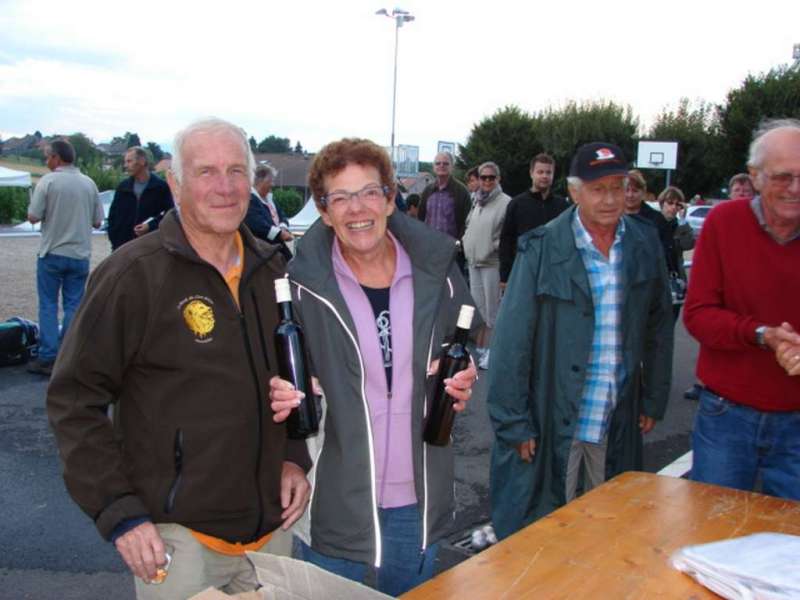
(285, 309)
(461, 336)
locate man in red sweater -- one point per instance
(743, 306)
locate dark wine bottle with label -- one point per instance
(293, 363)
(454, 358)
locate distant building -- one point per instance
(292, 169)
(415, 185)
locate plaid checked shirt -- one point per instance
(603, 372)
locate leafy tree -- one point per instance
(426, 167)
(13, 205)
(775, 94)
(289, 199)
(564, 130)
(272, 143)
(155, 151)
(506, 138)
(132, 139)
(253, 144)
(695, 129)
(129, 139)
(85, 150)
(298, 148)
(105, 177)
(511, 137)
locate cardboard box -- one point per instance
(284, 578)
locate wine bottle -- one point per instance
(293, 365)
(453, 358)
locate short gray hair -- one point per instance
(577, 182)
(208, 125)
(758, 147)
(140, 153)
(448, 155)
(574, 182)
(263, 171)
(491, 165)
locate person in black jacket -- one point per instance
(529, 210)
(636, 206)
(264, 217)
(140, 201)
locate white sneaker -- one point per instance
(483, 363)
(478, 540)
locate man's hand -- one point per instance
(527, 449)
(503, 285)
(142, 549)
(286, 235)
(788, 356)
(773, 336)
(141, 229)
(646, 423)
(295, 491)
(459, 386)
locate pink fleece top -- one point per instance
(390, 412)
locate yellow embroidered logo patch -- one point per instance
(199, 318)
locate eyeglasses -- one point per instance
(782, 179)
(369, 194)
(441, 163)
(487, 177)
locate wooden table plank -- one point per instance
(614, 542)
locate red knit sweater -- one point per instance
(741, 278)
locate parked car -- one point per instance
(696, 216)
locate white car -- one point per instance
(696, 216)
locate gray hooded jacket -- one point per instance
(342, 520)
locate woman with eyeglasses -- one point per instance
(680, 239)
(482, 250)
(377, 293)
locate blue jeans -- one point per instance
(56, 273)
(403, 564)
(733, 443)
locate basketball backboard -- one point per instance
(657, 155)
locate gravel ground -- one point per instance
(18, 274)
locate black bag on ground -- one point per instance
(19, 341)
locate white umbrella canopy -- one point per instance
(299, 223)
(12, 178)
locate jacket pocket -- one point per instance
(177, 455)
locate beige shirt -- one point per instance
(67, 202)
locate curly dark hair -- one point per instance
(334, 157)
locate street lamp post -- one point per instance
(400, 16)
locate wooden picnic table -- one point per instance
(614, 542)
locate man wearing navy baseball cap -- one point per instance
(586, 317)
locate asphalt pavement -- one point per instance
(50, 550)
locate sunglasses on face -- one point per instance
(487, 177)
(441, 163)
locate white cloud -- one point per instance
(314, 71)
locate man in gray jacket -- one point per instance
(587, 309)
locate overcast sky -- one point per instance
(318, 71)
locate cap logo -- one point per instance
(605, 154)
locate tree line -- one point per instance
(713, 140)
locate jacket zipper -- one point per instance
(370, 438)
(259, 425)
(425, 455)
(177, 457)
